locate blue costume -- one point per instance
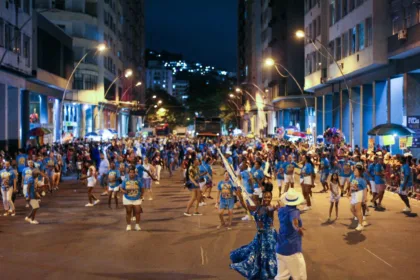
(257, 260)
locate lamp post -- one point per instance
(125, 92)
(237, 114)
(301, 34)
(99, 49)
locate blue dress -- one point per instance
(257, 260)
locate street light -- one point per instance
(138, 84)
(231, 95)
(269, 62)
(125, 92)
(160, 102)
(154, 96)
(128, 73)
(99, 49)
(155, 106)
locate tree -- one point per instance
(168, 109)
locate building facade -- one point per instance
(265, 31)
(368, 76)
(99, 83)
(159, 77)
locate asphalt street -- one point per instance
(76, 242)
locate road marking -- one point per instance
(379, 258)
(202, 255)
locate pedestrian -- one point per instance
(289, 173)
(257, 260)
(334, 188)
(379, 182)
(225, 200)
(26, 174)
(133, 191)
(279, 171)
(147, 179)
(324, 169)
(290, 260)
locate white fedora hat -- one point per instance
(292, 198)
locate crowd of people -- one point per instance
(126, 168)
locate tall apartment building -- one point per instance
(120, 25)
(159, 77)
(368, 76)
(265, 31)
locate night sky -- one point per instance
(201, 30)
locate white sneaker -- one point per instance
(359, 227)
(157, 183)
(104, 193)
(27, 219)
(34, 222)
(96, 202)
(137, 227)
(307, 208)
(89, 205)
(365, 223)
(133, 219)
(201, 204)
(406, 209)
(128, 228)
(246, 218)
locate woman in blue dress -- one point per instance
(257, 260)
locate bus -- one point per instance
(208, 126)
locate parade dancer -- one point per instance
(225, 200)
(289, 173)
(358, 193)
(257, 260)
(32, 184)
(8, 187)
(133, 191)
(324, 169)
(114, 178)
(308, 173)
(147, 179)
(406, 182)
(279, 171)
(26, 174)
(380, 183)
(193, 186)
(91, 182)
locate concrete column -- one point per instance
(388, 100)
(329, 111)
(351, 118)
(43, 108)
(373, 104)
(82, 122)
(346, 112)
(356, 110)
(368, 112)
(341, 110)
(316, 115)
(58, 125)
(361, 117)
(323, 113)
(319, 115)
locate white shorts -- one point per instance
(343, 180)
(25, 190)
(280, 182)
(91, 183)
(34, 203)
(356, 197)
(114, 189)
(131, 202)
(307, 180)
(289, 178)
(373, 186)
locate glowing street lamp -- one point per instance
(155, 106)
(99, 49)
(138, 84)
(128, 73)
(154, 96)
(237, 89)
(231, 95)
(160, 102)
(300, 34)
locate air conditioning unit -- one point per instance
(402, 34)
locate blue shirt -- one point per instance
(31, 188)
(324, 166)
(279, 170)
(230, 160)
(226, 190)
(371, 170)
(7, 178)
(133, 189)
(26, 174)
(345, 170)
(378, 178)
(21, 162)
(307, 170)
(202, 169)
(140, 170)
(113, 176)
(245, 180)
(289, 241)
(258, 175)
(49, 162)
(357, 184)
(406, 174)
(39, 165)
(289, 167)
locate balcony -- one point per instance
(399, 48)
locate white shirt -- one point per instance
(104, 166)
